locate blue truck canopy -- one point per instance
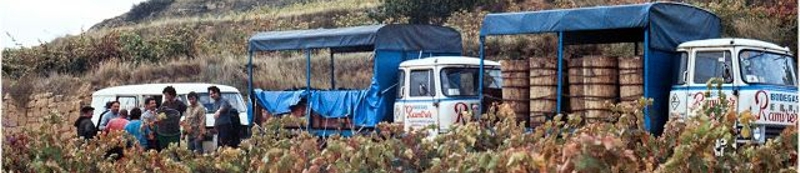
(391, 44)
(668, 24)
(660, 26)
(361, 38)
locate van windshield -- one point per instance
(234, 98)
(767, 68)
(464, 81)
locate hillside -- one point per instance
(154, 10)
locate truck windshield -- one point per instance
(464, 81)
(767, 68)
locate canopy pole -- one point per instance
(482, 39)
(308, 87)
(333, 74)
(250, 92)
(646, 51)
(560, 71)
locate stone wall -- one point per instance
(31, 115)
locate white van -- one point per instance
(131, 96)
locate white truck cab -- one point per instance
(759, 77)
(435, 90)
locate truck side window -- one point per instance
(681, 75)
(709, 64)
(421, 83)
(401, 83)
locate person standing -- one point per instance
(118, 123)
(194, 124)
(107, 108)
(171, 100)
(136, 128)
(222, 120)
(168, 127)
(84, 125)
(108, 116)
(149, 120)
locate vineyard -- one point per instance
(191, 41)
(493, 143)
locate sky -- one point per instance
(32, 21)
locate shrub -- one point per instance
(492, 142)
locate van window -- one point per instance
(710, 64)
(421, 83)
(127, 102)
(99, 103)
(234, 98)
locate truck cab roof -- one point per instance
(719, 42)
(447, 60)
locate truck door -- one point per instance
(712, 64)
(402, 89)
(420, 109)
(680, 88)
(459, 87)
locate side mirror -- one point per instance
(726, 74)
(423, 90)
(402, 91)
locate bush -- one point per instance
(493, 143)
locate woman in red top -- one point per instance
(118, 123)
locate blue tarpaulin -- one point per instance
(361, 38)
(669, 24)
(391, 45)
(278, 102)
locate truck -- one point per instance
(422, 79)
(681, 51)
(333, 111)
(757, 76)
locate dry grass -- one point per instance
(226, 70)
(353, 71)
(299, 9)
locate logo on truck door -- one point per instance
(418, 116)
(675, 101)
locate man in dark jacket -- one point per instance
(226, 135)
(168, 127)
(84, 125)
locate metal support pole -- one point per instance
(646, 51)
(308, 87)
(333, 73)
(482, 39)
(250, 90)
(560, 89)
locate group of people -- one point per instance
(156, 127)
